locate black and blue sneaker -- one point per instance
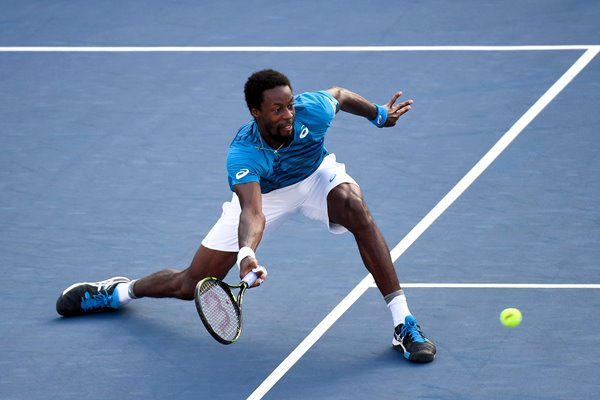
(409, 339)
(89, 297)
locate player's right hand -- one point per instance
(251, 264)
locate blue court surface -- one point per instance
(115, 121)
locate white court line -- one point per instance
(426, 222)
(499, 285)
(279, 49)
(494, 152)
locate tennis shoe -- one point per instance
(90, 297)
(409, 339)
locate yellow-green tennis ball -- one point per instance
(511, 317)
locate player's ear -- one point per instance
(255, 112)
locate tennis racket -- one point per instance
(219, 309)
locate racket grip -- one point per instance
(250, 278)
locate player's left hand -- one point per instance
(395, 111)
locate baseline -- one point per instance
(280, 49)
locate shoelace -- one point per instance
(104, 284)
(414, 332)
(99, 300)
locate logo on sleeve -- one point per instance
(242, 173)
(303, 132)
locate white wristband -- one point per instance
(243, 253)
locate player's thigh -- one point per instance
(210, 262)
(328, 186)
(346, 206)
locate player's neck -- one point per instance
(276, 143)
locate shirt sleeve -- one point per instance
(243, 165)
(317, 109)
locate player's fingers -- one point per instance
(262, 274)
(399, 110)
(396, 113)
(395, 97)
(402, 107)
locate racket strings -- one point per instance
(219, 311)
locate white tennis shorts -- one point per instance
(307, 197)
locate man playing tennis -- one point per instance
(277, 166)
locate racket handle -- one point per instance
(250, 278)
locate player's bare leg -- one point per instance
(346, 207)
(181, 284)
(111, 294)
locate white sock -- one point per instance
(399, 308)
(123, 293)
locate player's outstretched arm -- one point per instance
(251, 227)
(354, 103)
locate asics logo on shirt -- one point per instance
(242, 173)
(303, 132)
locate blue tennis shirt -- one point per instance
(251, 159)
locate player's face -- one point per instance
(276, 115)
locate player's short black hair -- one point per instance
(260, 81)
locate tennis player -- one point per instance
(278, 166)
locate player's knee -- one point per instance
(359, 214)
(187, 291)
(185, 286)
(352, 212)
